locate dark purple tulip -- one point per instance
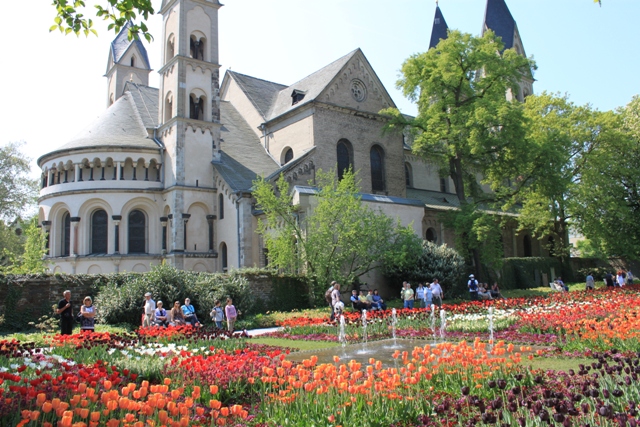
(558, 418)
(585, 407)
(617, 392)
(605, 393)
(544, 415)
(465, 390)
(538, 379)
(491, 384)
(521, 421)
(633, 422)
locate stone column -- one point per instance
(77, 172)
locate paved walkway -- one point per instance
(256, 332)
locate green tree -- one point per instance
(606, 203)
(71, 16)
(561, 138)
(17, 190)
(12, 239)
(32, 260)
(466, 124)
(339, 238)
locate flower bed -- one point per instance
(204, 377)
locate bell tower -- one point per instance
(188, 110)
(128, 61)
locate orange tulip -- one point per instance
(213, 389)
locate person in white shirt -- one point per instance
(436, 292)
(149, 310)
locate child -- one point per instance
(217, 315)
(231, 313)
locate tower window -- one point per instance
(345, 157)
(133, 61)
(170, 52)
(196, 107)
(99, 232)
(223, 254)
(220, 206)
(377, 168)
(196, 48)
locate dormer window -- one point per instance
(297, 96)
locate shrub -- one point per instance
(436, 261)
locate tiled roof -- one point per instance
(312, 85)
(119, 125)
(498, 18)
(145, 99)
(121, 43)
(243, 156)
(261, 93)
(439, 31)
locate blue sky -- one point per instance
(54, 84)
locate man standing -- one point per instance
(473, 287)
(436, 292)
(149, 310)
(608, 279)
(335, 298)
(66, 314)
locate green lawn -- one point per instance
(295, 344)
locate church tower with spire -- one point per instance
(440, 28)
(498, 18)
(128, 62)
(189, 122)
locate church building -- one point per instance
(165, 174)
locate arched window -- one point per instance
(431, 235)
(170, 52)
(99, 232)
(133, 61)
(223, 255)
(377, 168)
(220, 206)
(196, 107)
(287, 156)
(345, 157)
(526, 242)
(408, 175)
(196, 48)
(168, 107)
(66, 235)
(137, 232)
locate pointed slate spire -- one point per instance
(121, 43)
(498, 18)
(439, 31)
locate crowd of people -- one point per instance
(481, 291)
(153, 314)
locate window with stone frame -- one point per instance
(99, 232)
(377, 169)
(137, 232)
(344, 153)
(66, 235)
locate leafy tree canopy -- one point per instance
(466, 124)
(337, 238)
(32, 260)
(72, 16)
(17, 190)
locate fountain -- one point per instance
(342, 337)
(491, 327)
(433, 320)
(364, 333)
(394, 322)
(443, 323)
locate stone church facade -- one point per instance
(165, 174)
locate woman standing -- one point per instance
(231, 313)
(408, 296)
(420, 295)
(88, 313)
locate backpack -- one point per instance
(327, 295)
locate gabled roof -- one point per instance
(243, 156)
(312, 85)
(145, 99)
(121, 44)
(290, 164)
(439, 30)
(498, 18)
(261, 93)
